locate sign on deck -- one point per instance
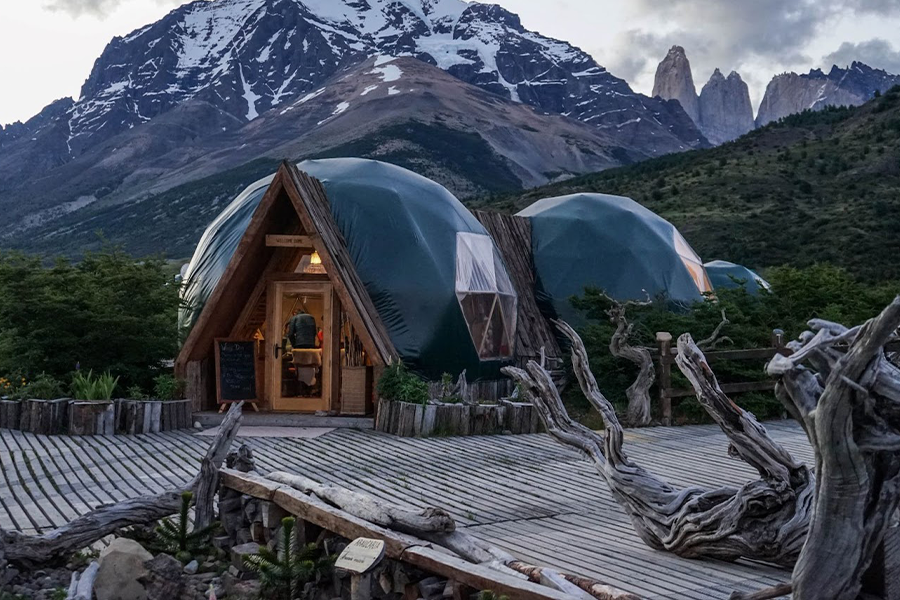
(361, 555)
(235, 370)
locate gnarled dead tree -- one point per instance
(32, 550)
(765, 519)
(849, 405)
(638, 393)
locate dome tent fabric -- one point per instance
(726, 275)
(401, 231)
(612, 243)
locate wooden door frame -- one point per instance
(276, 290)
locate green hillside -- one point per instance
(815, 187)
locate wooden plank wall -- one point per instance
(512, 235)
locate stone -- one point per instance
(192, 567)
(234, 587)
(121, 567)
(163, 578)
(239, 552)
(725, 110)
(272, 514)
(674, 81)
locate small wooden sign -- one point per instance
(288, 241)
(361, 555)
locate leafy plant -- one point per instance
(491, 595)
(90, 387)
(399, 385)
(172, 537)
(136, 392)
(11, 384)
(42, 387)
(167, 387)
(285, 571)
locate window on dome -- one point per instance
(486, 296)
(693, 263)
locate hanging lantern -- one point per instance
(315, 265)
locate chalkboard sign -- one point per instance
(235, 370)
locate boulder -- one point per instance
(163, 578)
(121, 568)
(239, 552)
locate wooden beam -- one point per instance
(289, 241)
(311, 203)
(397, 546)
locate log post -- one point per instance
(664, 342)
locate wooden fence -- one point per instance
(665, 352)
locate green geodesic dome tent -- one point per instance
(612, 243)
(724, 274)
(430, 268)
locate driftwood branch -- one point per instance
(765, 519)
(437, 526)
(638, 393)
(82, 586)
(716, 336)
(849, 406)
(32, 550)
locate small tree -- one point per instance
(284, 572)
(173, 537)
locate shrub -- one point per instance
(167, 387)
(42, 387)
(136, 392)
(399, 385)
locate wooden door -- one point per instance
(299, 371)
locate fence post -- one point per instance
(664, 340)
(778, 340)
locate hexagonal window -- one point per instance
(486, 296)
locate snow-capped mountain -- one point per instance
(248, 56)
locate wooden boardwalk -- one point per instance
(527, 494)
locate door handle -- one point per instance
(277, 350)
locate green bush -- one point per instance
(107, 312)
(167, 387)
(797, 295)
(399, 385)
(42, 387)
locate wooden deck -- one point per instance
(526, 494)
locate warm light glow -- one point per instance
(315, 259)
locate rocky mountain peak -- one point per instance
(791, 93)
(725, 109)
(674, 81)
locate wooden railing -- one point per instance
(665, 352)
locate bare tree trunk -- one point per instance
(765, 519)
(31, 550)
(638, 393)
(849, 406)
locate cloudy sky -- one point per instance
(49, 46)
